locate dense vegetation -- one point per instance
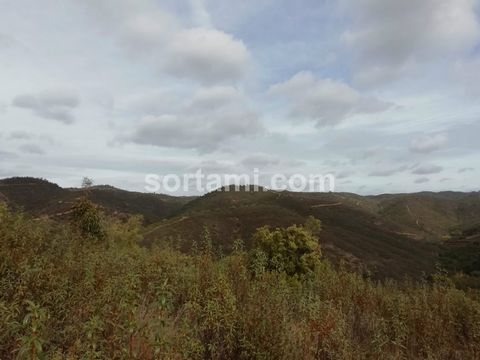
(389, 235)
(86, 289)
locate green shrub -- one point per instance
(294, 250)
(86, 218)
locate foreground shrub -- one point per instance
(64, 298)
(86, 218)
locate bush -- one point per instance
(294, 250)
(86, 218)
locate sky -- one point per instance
(384, 94)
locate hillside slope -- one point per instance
(42, 198)
(429, 215)
(353, 230)
(391, 235)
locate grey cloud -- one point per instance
(53, 105)
(427, 169)
(4, 155)
(467, 74)
(25, 135)
(207, 55)
(464, 170)
(6, 41)
(263, 161)
(20, 135)
(422, 180)
(327, 102)
(214, 116)
(160, 101)
(146, 31)
(386, 172)
(31, 149)
(428, 143)
(260, 161)
(213, 167)
(344, 174)
(389, 36)
(139, 26)
(293, 163)
(374, 152)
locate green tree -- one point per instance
(293, 250)
(86, 217)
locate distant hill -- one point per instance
(431, 215)
(43, 198)
(391, 235)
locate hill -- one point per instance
(353, 229)
(430, 215)
(390, 235)
(43, 198)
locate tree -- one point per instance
(87, 182)
(293, 250)
(86, 217)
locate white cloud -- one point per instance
(428, 143)
(328, 102)
(148, 32)
(202, 53)
(214, 116)
(54, 105)
(207, 55)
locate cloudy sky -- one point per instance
(383, 93)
